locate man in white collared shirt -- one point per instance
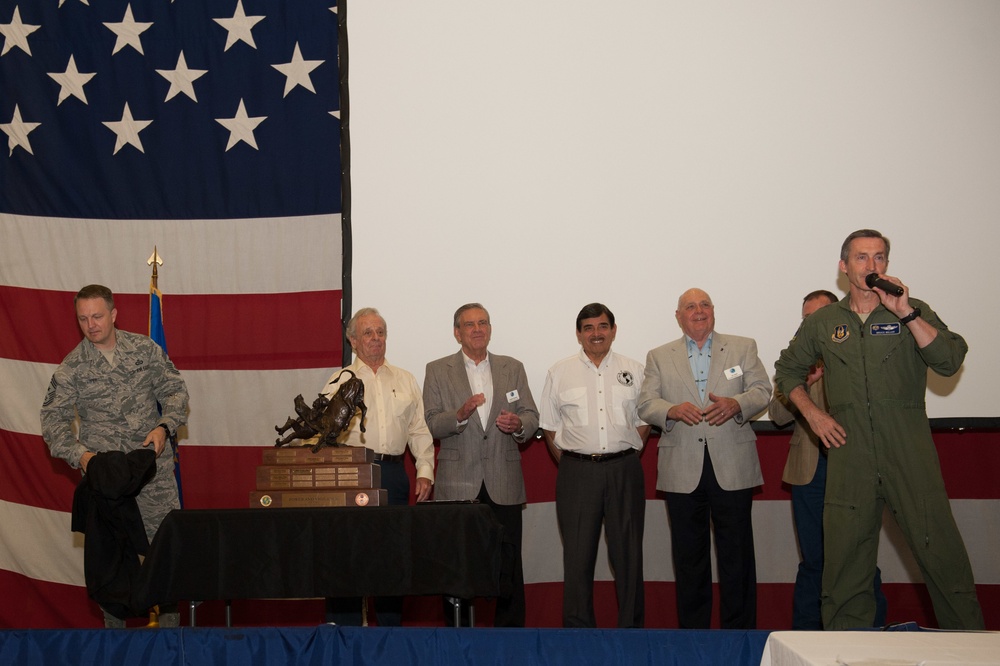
(589, 417)
(395, 415)
(395, 420)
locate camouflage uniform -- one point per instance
(117, 409)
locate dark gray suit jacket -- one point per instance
(477, 453)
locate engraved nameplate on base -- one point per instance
(291, 499)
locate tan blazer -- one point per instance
(803, 448)
(477, 452)
(733, 445)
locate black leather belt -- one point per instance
(385, 457)
(598, 457)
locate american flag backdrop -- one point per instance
(209, 129)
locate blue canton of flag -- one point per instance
(113, 107)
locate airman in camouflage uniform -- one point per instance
(113, 380)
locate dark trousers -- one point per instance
(692, 516)
(346, 611)
(589, 495)
(807, 508)
(510, 610)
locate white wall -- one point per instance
(537, 155)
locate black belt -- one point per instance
(385, 457)
(598, 457)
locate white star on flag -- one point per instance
(297, 71)
(128, 31)
(71, 82)
(16, 33)
(241, 127)
(17, 130)
(127, 129)
(239, 27)
(181, 78)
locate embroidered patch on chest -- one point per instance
(625, 378)
(840, 333)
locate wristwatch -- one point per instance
(166, 429)
(910, 317)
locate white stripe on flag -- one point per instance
(774, 540)
(257, 256)
(38, 543)
(235, 407)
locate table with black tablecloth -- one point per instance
(449, 549)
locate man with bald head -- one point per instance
(702, 390)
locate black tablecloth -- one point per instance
(452, 549)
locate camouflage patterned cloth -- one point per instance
(117, 409)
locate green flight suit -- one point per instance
(876, 380)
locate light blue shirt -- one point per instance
(701, 361)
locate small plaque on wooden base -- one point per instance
(303, 455)
(276, 499)
(324, 475)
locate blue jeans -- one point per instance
(807, 508)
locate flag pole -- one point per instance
(158, 335)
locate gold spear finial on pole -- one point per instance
(154, 261)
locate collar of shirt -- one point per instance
(385, 430)
(590, 364)
(123, 345)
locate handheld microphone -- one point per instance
(873, 280)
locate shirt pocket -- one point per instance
(403, 405)
(623, 405)
(574, 406)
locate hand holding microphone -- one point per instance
(897, 305)
(891, 288)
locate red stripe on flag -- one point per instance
(207, 332)
(969, 462)
(202, 468)
(37, 324)
(37, 479)
(37, 604)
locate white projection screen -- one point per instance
(537, 155)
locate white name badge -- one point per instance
(513, 396)
(734, 372)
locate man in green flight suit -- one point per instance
(876, 348)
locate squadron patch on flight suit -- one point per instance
(840, 333)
